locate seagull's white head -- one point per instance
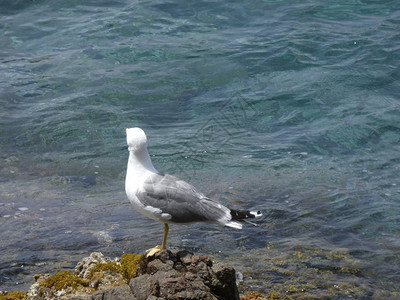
(136, 139)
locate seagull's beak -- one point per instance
(126, 130)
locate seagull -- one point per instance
(168, 199)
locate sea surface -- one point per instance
(288, 107)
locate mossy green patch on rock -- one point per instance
(107, 266)
(129, 265)
(60, 284)
(92, 273)
(13, 295)
(64, 279)
(252, 296)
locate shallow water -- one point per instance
(292, 109)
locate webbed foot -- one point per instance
(153, 251)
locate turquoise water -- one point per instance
(287, 107)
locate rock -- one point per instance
(122, 292)
(92, 273)
(166, 275)
(178, 275)
(85, 266)
(33, 291)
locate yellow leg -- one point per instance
(151, 252)
(164, 241)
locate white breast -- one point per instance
(138, 169)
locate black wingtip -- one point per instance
(244, 214)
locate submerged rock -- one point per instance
(81, 180)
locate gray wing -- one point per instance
(180, 200)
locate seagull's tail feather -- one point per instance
(234, 224)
